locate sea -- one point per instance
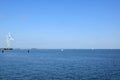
(57, 64)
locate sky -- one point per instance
(74, 24)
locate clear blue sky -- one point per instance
(60, 23)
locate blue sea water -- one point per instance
(54, 64)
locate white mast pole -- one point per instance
(9, 38)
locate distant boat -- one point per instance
(62, 50)
(9, 39)
(6, 48)
(92, 48)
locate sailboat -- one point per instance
(8, 40)
(62, 50)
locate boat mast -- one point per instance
(9, 39)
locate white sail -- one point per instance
(9, 39)
(62, 49)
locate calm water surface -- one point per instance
(60, 65)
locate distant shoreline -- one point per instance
(6, 48)
(51, 49)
